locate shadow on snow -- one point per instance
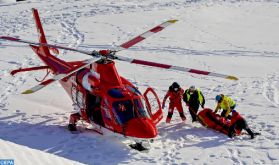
(192, 135)
(86, 147)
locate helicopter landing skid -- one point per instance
(95, 130)
(140, 146)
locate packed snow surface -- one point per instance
(238, 38)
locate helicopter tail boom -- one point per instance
(56, 65)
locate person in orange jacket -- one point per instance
(175, 94)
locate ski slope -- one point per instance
(230, 37)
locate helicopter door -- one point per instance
(153, 105)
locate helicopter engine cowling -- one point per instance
(88, 79)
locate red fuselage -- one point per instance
(121, 107)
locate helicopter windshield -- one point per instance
(124, 111)
(139, 104)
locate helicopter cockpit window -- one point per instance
(116, 93)
(124, 111)
(140, 106)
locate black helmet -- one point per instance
(175, 86)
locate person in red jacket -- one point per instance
(175, 94)
(239, 123)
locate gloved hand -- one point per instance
(202, 106)
(223, 120)
(163, 106)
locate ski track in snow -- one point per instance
(44, 138)
(69, 30)
(11, 84)
(271, 89)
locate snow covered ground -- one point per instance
(232, 37)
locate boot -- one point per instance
(168, 120)
(72, 127)
(250, 133)
(194, 119)
(182, 116)
(169, 117)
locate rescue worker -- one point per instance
(239, 123)
(174, 94)
(225, 103)
(193, 98)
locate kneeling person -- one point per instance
(226, 103)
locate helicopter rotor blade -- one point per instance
(92, 53)
(172, 67)
(144, 35)
(58, 77)
(99, 53)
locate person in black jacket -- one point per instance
(193, 98)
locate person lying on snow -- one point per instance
(239, 123)
(193, 98)
(225, 103)
(174, 94)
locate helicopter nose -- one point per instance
(141, 128)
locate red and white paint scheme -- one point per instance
(103, 97)
(172, 67)
(145, 35)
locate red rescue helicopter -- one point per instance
(103, 97)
